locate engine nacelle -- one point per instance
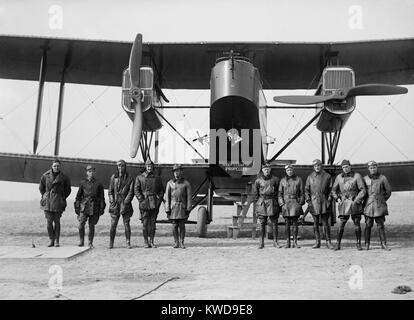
(336, 114)
(151, 120)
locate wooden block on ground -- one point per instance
(18, 252)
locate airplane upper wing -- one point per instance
(282, 65)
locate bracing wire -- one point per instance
(76, 117)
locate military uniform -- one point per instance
(149, 192)
(349, 189)
(266, 204)
(291, 196)
(318, 196)
(291, 199)
(121, 193)
(375, 205)
(178, 206)
(54, 188)
(89, 205)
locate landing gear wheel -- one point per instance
(202, 222)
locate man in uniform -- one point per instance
(349, 191)
(265, 188)
(89, 204)
(149, 192)
(55, 188)
(178, 204)
(379, 191)
(291, 199)
(121, 193)
(318, 196)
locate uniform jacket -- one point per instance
(149, 191)
(121, 193)
(178, 198)
(291, 196)
(318, 192)
(54, 190)
(266, 190)
(350, 188)
(90, 198)
(379, 191)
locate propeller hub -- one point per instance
(135, 93)
(341, 93)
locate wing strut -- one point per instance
(42, 76)
(61, 97)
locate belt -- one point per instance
(267, 196)
(349, 196)
(291, 196)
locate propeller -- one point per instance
(134, 65)
(373, 89)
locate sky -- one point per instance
(379, 129)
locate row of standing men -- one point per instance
(90, 204)
(355, 196)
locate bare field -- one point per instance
(211, 268)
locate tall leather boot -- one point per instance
(338, 240)
(262, 235)
(317, 237)
(152, 236)
(128, 235)
(383, 239)
(145, 234)
(57, 232)
(81, 235)
(175, 234)
(327, 232)
(295, 235)
(91, 235)
(358, 237)
(275, 235)
(182, 235)
(367, 235)
(51, 233)
(112, 234)
(287, 232)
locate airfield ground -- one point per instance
(211, 268)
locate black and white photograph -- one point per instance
(193, 151)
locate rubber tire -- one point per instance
(202, 222)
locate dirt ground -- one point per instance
(210, 268)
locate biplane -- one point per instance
(233, 72)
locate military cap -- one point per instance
(148, 162)
(90, 167)
(266, 165)
(177, 167)
(288, 166)
(316, 161)
(345, 163)
(372, 163)
(120, 162)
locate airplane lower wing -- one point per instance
(29, 168)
